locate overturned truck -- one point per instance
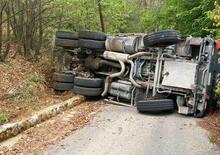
(155, 72)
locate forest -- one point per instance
(29, 25)
(63, 63)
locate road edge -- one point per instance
(12, 129)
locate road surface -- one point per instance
(122, 131)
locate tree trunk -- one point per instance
(1, 14)
(8, 45)
(145, 3)
(101, 16)
(40, 36)
(2, 6)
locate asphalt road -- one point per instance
(122, 131)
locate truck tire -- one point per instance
(155, 105)
(88, 82)
(91, 35)
(139, 95)
(67, 35)
(164, 32)
(61, 86)
(85, 91)
(162, 38)
(67, 43)
(92, 44)
(63, 77)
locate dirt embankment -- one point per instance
(212, 124)
(25, 87)
(35, 140)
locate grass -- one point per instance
(24, 97)
(4, 117)
(36, 78)
(213, 138)
(30, 88)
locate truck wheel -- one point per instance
(92, 44)
(67, 35)
(91, 35)
(162, 38)
(67, 43)
(87, 91)
(200, 114)
(155, 105)
(139, 95)
(88, 82)
(63, 77)
(61, 86)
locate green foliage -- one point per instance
(24, 97)
(214, 15)
(122, 16)
(75, 15)
(36, 78)
(30, 88)
(189, 16)
(213, 139)
(217, 90)
(4, 117)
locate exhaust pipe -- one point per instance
(113, 76)
(131, 75)
(121, 58)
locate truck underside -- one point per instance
(154, 72)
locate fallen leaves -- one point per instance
(35, 140)
(25, 87)
(212, 124)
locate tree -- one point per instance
(122, 15)
(215, 16)
(101, 16)
(188, 16)
(4, 8)
(30, 24)
(25, 19)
